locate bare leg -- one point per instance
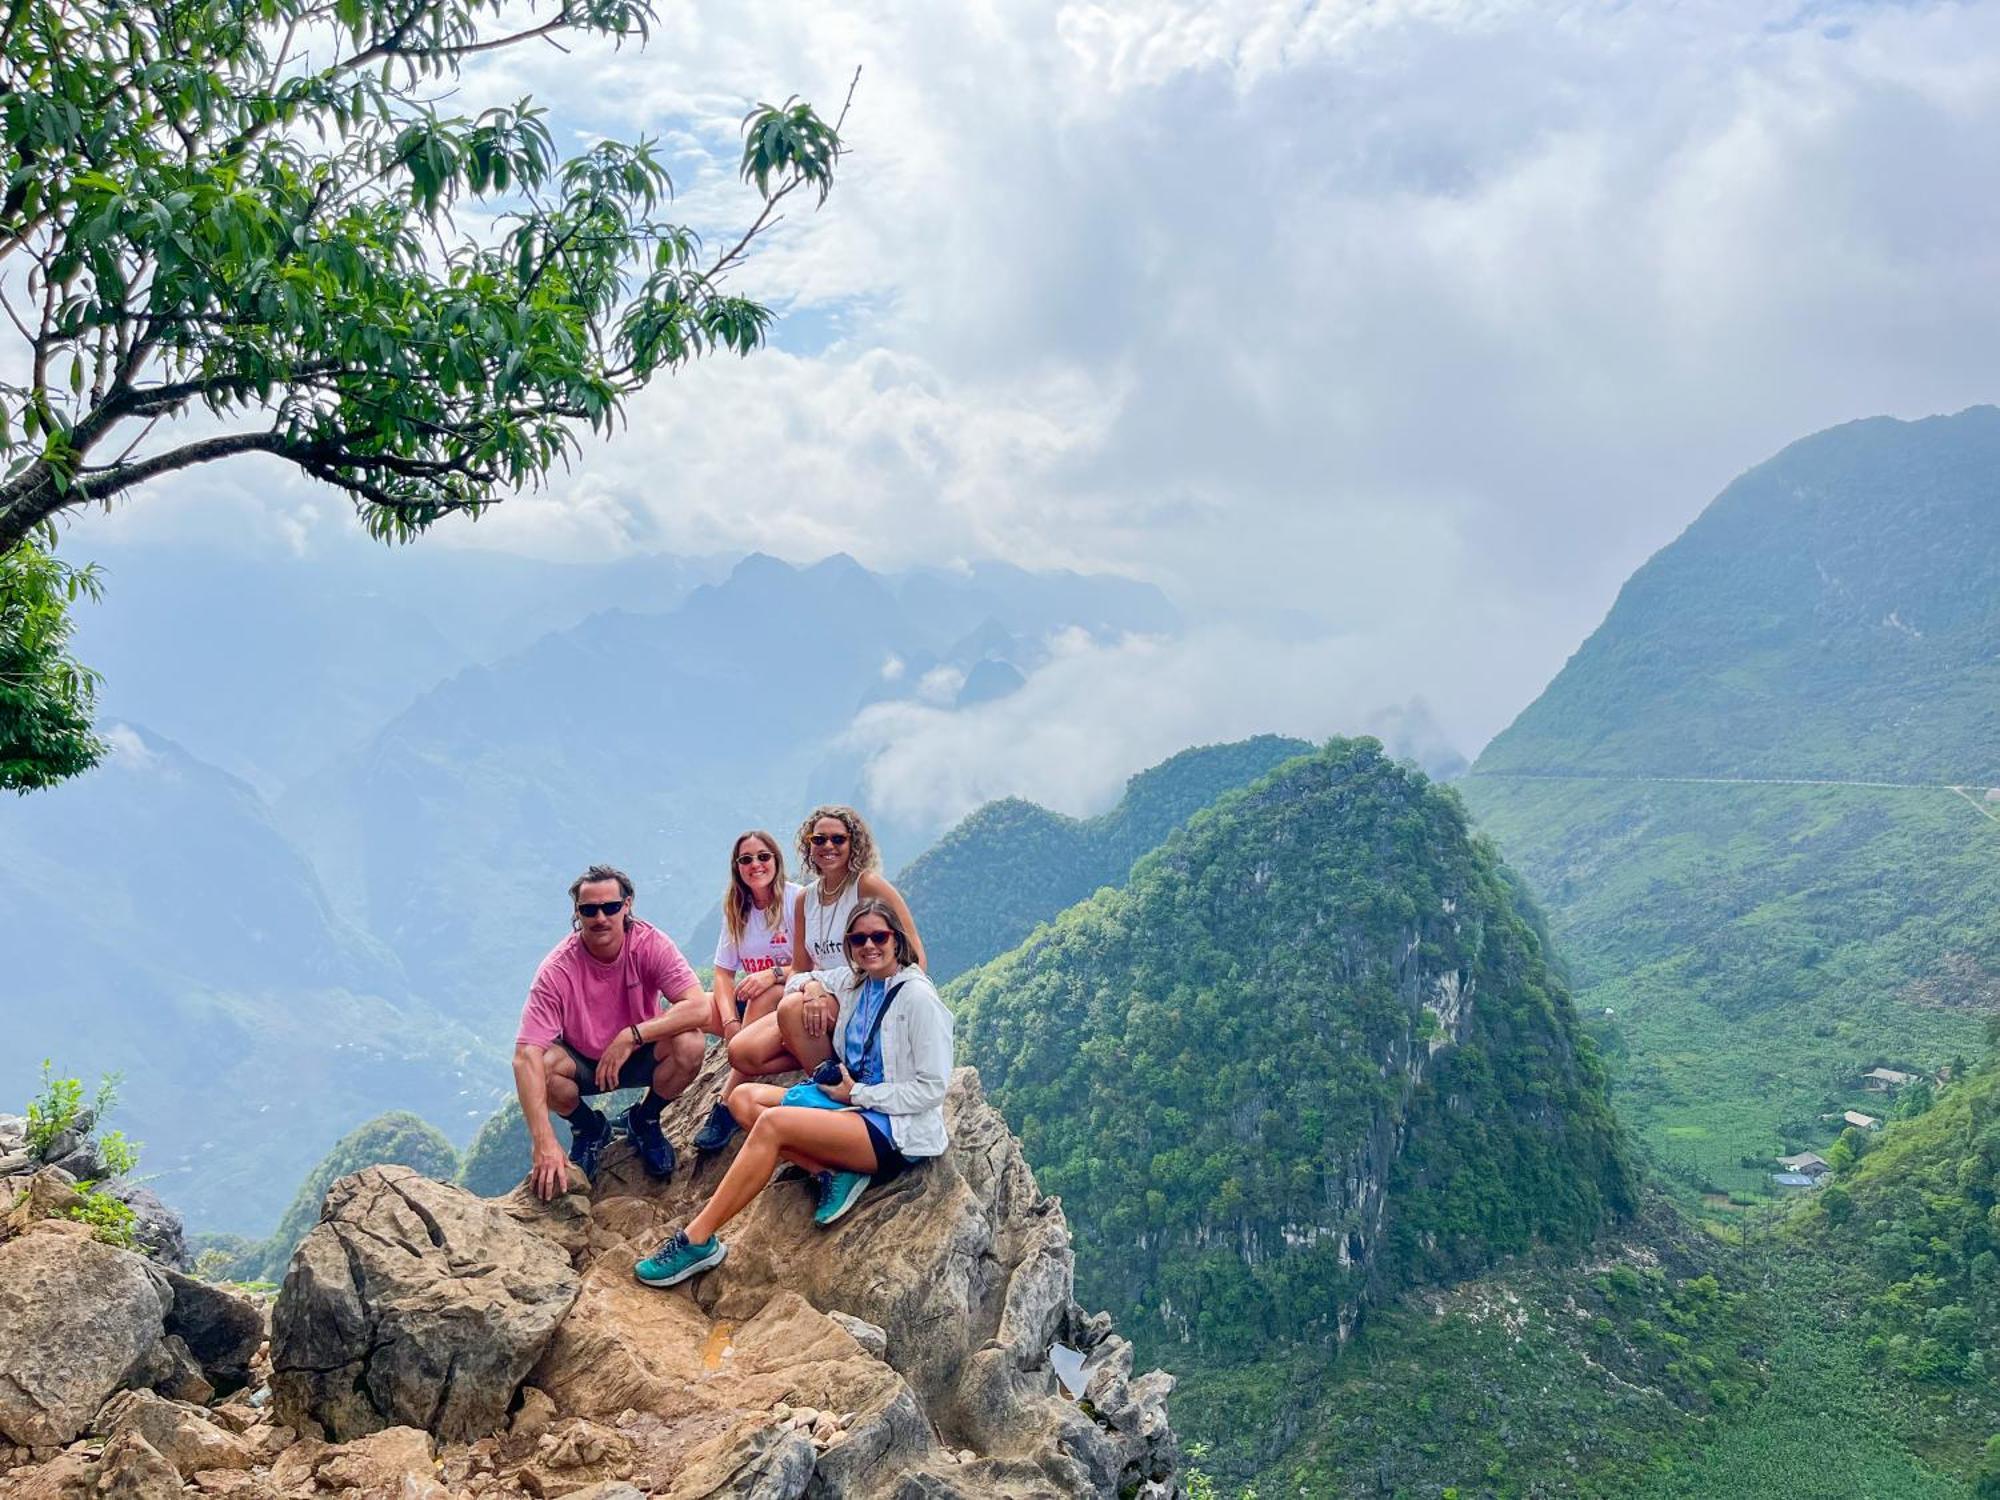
(750, 1101)
(559, 1077)
(810, 1050)
(676, 1060)
(836, 1138)
(764, 1005)
(759, 1050)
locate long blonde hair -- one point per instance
(861, 855)
(737, 902)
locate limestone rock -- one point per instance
(960, 1273)
(181, 1433)
(172, 1371)
(413, 1303)
(156, 1228)
(221, 1329)
(132, 1469)
(77, 1320)
(68, 1476)
(49, 1194)
(378, 1463)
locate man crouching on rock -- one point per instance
(592, 1024)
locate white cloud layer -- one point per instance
(1387, 337)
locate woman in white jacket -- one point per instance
(874, 1108)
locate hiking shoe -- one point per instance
(586, 1146)
(680, 1258)
(650, 1141)
(838, 1192)
(717, 1132)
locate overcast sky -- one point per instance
(1388, 338)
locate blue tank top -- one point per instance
(864, 1061)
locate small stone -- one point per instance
(805, 1416)
(782, 1411)
(967, 1456)
(536, 1413)
(134, 1470)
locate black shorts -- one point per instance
(636, 1074)
(889, 1162)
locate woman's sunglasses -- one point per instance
(761, 857)
(599, 908)
(880, 939)
(821, 840)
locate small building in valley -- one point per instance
(1794, 1180)
(1805, 1164)
(1860, 1121)
(1883, 1080)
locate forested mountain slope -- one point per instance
(1313, 1051)
(1749, 950)
(1012, 864)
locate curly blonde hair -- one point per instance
(861, 853)
(737, 903)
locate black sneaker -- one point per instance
(651, 1142)
(718, 1132)
(586, 1146)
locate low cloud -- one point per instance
(1098, 712)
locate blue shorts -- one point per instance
(889, 1162)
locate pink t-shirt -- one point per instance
(586, 1003)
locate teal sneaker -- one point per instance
(680, 1258)
(838, 1192)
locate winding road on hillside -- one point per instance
(1973, 801)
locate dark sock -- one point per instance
(584, 1118)
(649, 1107)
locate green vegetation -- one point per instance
(263, 239)
(1833, 615)
(396, 1138)
(47, 698)
(499, 1156)
(1541, 1378)
(60, 1122)
(1010, 866)
(1222, 1067)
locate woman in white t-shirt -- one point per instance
(756, 943)
(840, 852)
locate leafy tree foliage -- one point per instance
(1919, 1217)
(499, 1156)
(246, 208)
(46, 696)
(1318, 992)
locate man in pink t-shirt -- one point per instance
(593, 1023)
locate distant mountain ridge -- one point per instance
(1831, 615)
(1750, 949)
(1012, 864)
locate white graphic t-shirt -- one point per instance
(767, 938)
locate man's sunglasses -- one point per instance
(880, 939)
(599, 908)
(761, 857)
(821, 840)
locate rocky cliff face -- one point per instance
(431, 1345)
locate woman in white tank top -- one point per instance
(839, 851)
(753, 956)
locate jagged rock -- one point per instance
(156, 1228)
(132, 1469)
(172, 1371)
(863, 1332)
(13, 1134)
(413, 1303)
(49, 1194)
(378, 1463)
(961, 1266)
(533, 1419)
(181, 1433)
(77, 1320)
(610, 1489)
(68, 1476)
(221, 1329)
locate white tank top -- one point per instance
(826, 926)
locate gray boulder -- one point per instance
(156, 1228)
(77, 1321)
(221, 1329)
(412, 1303)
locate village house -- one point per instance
(1883, 1080)
(1860, 1121)
(1806, 1164)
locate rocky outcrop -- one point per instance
(904, 1354)
(413, 1303)
(77, 1321)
